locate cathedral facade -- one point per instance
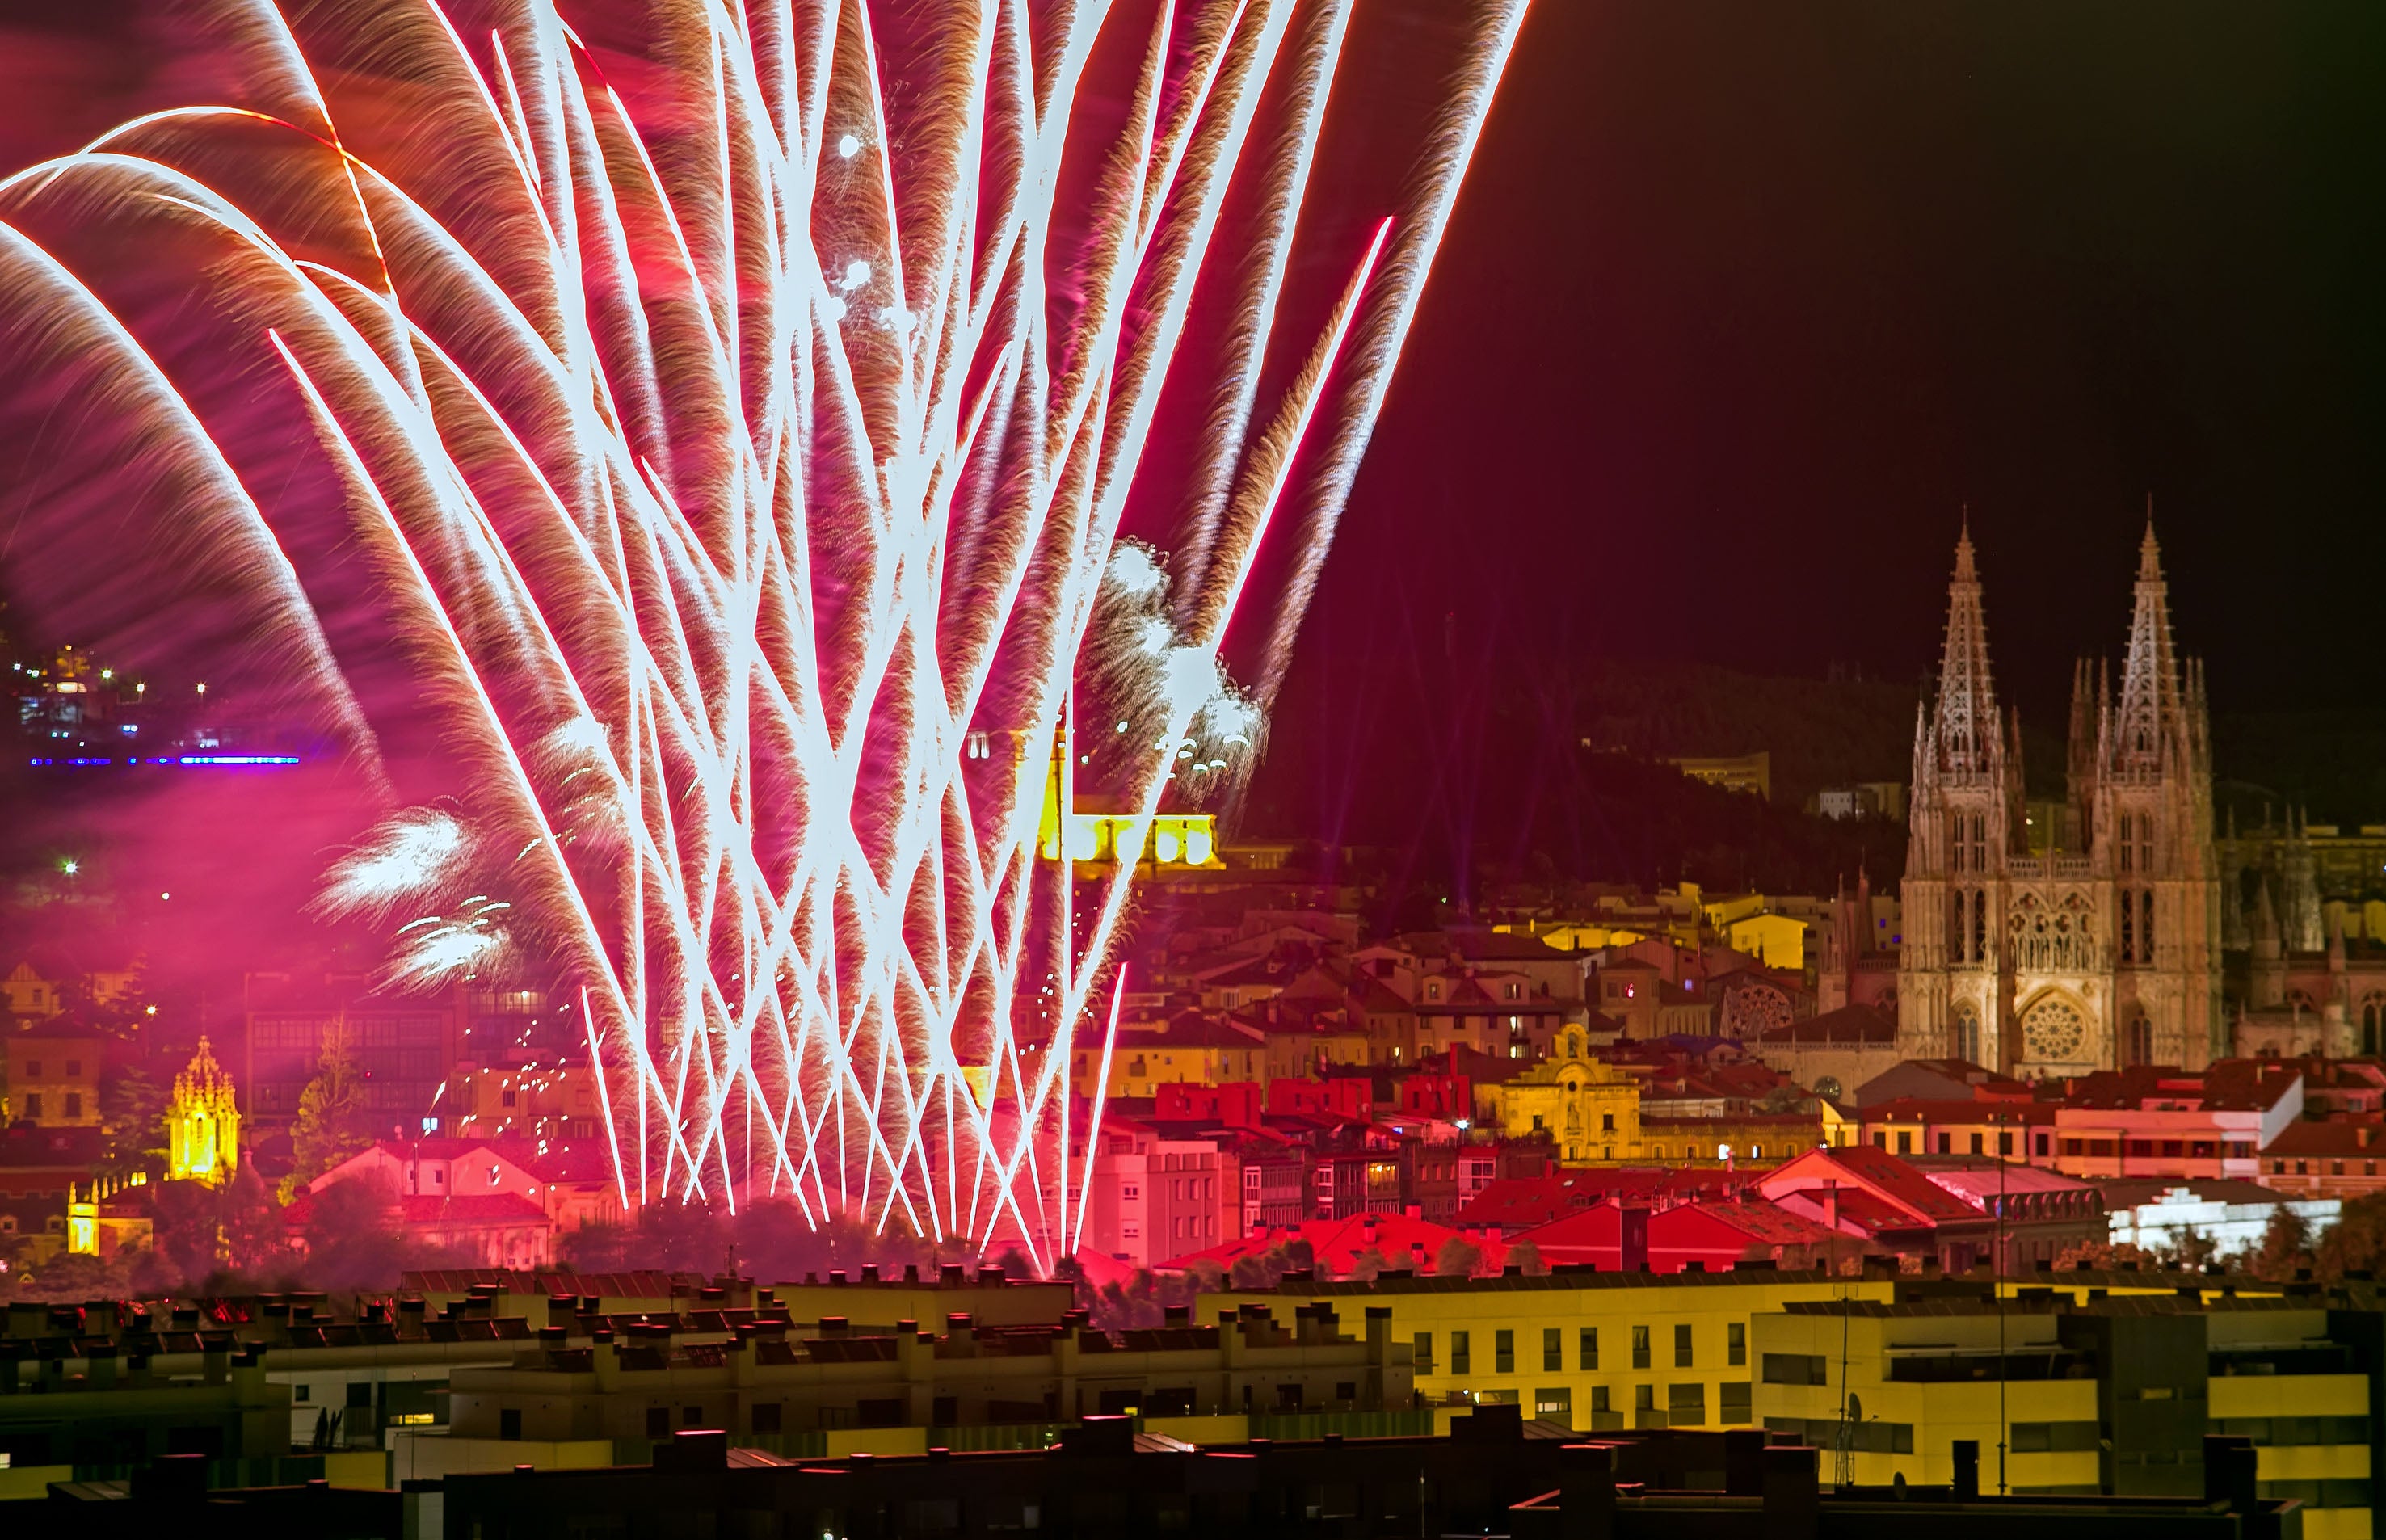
(2092, 945)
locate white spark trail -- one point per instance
(728, 419)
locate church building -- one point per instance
(2093, 943)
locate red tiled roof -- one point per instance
(1877, 1170)
(2366, 1140)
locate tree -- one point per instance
(1525, 1258)
(2285, 1249)
(1368, 1265)
(1458, 1257)
(2097, 1256)
(2357, 1242)
(355, 1237)
(334, 1122)
(2190, 1251)
(186, 1230)
(255, 1241)
(133, 1121)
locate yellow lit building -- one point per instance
(2099, 1395)
(202, 1122)
(1748, 773)
(1191, 1050)
(1775, 940)
(1593, 1350)
(1589, 1110)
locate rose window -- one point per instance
(2054, 1029)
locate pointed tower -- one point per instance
(1963, 817)
(2148, 828)
(203, 1123)
(2151, 732)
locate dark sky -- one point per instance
(1743, 303)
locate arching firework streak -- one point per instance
(733, 473)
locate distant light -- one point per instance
(72, 866)
(163, 896)
(141, 689)
(847, 147)
(151, 1011)
(203, 689)
(107, 673)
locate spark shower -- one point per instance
(710, 427)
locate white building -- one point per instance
(2231, 1214)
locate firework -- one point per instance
(719, 419)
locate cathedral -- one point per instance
(2094, 941)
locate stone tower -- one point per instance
(1963, 817)
(2142, 790)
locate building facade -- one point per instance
(2092, 945)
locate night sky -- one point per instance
(1742, 304)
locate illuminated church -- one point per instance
(2093, 943)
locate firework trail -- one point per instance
(711, 425)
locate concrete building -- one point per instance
(2156, 1216)
(2064, 1396)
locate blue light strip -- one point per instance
(197, 759)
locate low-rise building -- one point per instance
(2151, 1122)
(2338, 1159)
(2158, 1216)
(2070, 1395)
(769, 1387)
(53, 1079)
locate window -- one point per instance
(1588, 1349)
(1796, 1368)
(1504, 1352)
(74, 1104)
(658, 1422)
(2004, 1141)
(1599, 1400)
(1556, 1404)
(1686, 1405)
(1946, 1142)
(1978, 1146)
(1552, 1349)
(33, 1069)
(1461, 1358)
(1422, 1353)
(2045, 1143)
(301, 1393)
(33, 1105)
(1736, 1405)
(1607, 1123)
(691, 1417)
(74, 1069)
(1905, 1142)
(766, 1417)
(1640, 1347)
(509, 1423)
(1682, 1346)
(1734, 1352)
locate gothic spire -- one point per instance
(2152, 709)
(1966, 729)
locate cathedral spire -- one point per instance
(1966, 729)
(2152, 709)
